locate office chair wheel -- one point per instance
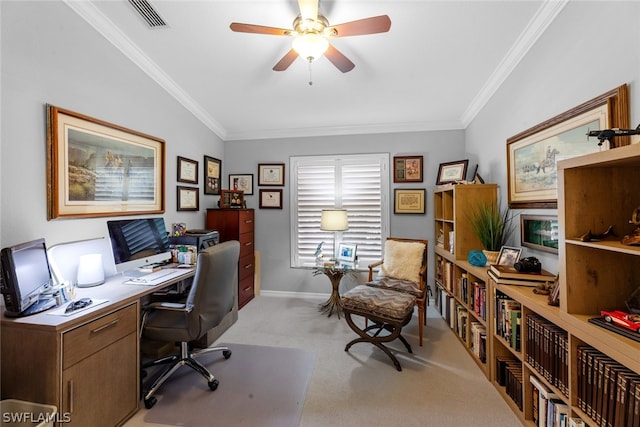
(212, 385)
(226, 353)
(148, 403)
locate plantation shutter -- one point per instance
(357, 183)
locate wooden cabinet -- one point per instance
(238, 224)
(461, 288)
(76, 366)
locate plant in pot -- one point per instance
(493, 226)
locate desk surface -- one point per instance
(114, 290)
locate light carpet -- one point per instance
(259, 385)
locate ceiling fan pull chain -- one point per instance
(310, 79)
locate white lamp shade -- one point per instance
(310, 46)
(334, 220)
(90, 270)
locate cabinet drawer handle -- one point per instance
(248, 244)
(247, 289)
(248, 266)
(103, 327)
(70, 396)
(248, 221)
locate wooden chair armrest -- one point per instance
(372, 266)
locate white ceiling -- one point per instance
(435, 69)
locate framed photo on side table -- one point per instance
(270, 199)
(212, 170)
(187, 170)
(347, 252)
(271, 174)
(188, 199)
(452, 172)
(407, 169)
(409, 201)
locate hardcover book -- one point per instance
(509, 272)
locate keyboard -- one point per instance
(156, 277)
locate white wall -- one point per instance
(591, 48)
(272, 226)
(50, 55)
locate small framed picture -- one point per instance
(271, 174)
(242, 182)
(231, 199)
(452, 172)
(508, 255)
(539, 232)
(270, 199)
(409, 201)
(212, 168)
(187, 170)
(188, 199)
(347, 252)
(407, 169)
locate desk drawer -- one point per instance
(98, 334)
(246, 244)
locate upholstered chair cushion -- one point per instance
(400, 285)
(379, 302)
(402, 260)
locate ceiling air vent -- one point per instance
(148, 13)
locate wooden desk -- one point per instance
(87, 364)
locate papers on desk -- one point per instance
(157, 277)
(60, 311)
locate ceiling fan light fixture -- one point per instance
(310, 46)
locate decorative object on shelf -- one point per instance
(508, 255)
(619, 329)
(539, 232)
(178, 229)
(271, 174)
(84, 153)
(493, 226)
(590, 237)
(451, 172)
(242, 182)
(529, 264)
(633, 239)
(212, 171)
(477, 258)
(335, 220)
(231, 199)
(187, 170)
(270, 199)
(318, 252)
(188, 199)
(409, 201)
(531, 154)
(407, 169)
(609, 134)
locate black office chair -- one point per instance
(210, 298)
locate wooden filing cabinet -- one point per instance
(88, 370)
(238, 224)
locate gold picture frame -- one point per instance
(96, 168)
(409, 201)
(532, 154)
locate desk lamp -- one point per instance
(334, 220)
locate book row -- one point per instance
(547, 409)
(608, 392)
(509, 375)
(507, 320)
(547, 351)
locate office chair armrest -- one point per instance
(171, 306)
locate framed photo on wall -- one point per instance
(407, 169)
(271, 174)
(188, 199)
(409, 201)
(187, 170)
(242, 182)
(270, 199)
(212, 170)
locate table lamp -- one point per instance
(334, 220)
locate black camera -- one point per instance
(528, 265)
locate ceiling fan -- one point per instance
(312, 32)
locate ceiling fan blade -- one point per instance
(286, 60)
(258, 29)
(373, 25)
(308, 9)
(336, 57)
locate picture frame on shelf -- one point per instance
(409, 201)
(533, 153)
(407, 169)
(242, 182)
(188, 199)
(82, 151)
(270, 199)
(271, 174)
(187, 170)
(212, 170)
(347, 252)
(231, 199)
(539, 232)
(451, 172)
(509, 255)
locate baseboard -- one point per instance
(293, 294)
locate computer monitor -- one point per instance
(25, 276)
(138, 242)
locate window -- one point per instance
(357, 183)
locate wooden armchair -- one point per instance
(404, 269)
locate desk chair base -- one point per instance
(176, 361)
